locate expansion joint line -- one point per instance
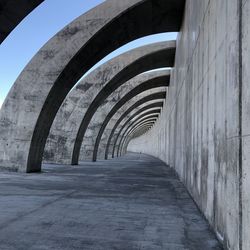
(240, 6)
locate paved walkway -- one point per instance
(134, 203)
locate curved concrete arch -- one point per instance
(131, 109)
(161, 81)
(159, 59)
(124, 135)
(127, 132)
(156, 96)
(144, 118)
(144, 127)
(95, 123)
(149, 122)
(135, 124)
(124, 115)
(137, 116)
(61, 139)
(153, 112)
(88, 144)
(12, 12)
(41, 88)
(137, 133)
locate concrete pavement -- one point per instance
(134, 202)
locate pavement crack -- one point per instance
(22, 215)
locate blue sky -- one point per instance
(38, 27)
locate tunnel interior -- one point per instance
(160, 130)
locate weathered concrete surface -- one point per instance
(144, 101)
(128, 116)
(132, 133)
(12, 13)
(30, 108)
(198, 131)
(159, 58)
(245, 125)
(89, 142)
(134, 203)
(64, 130)
(136, 132)
(63, 133)
(145, 125)
(127, 134)
(138, 92)
(133, 112)
(140, 114)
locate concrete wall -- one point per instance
(199, 132)
(93, 129)
(246, 124)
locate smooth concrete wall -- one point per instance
(199, 131)
(246, 124)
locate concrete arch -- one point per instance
(88, 144)
(159, 59)
(138, 116)
(136, 133)
(161, 81)
(123, 136)
(41, 88)
(127, 132)
(144, 118)
(141, 131)
(131, 109)
(105, 138)
(131, 135)
(156, 96)
(63, 133)
(12, 12)
(148, 122)
(95, 123)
